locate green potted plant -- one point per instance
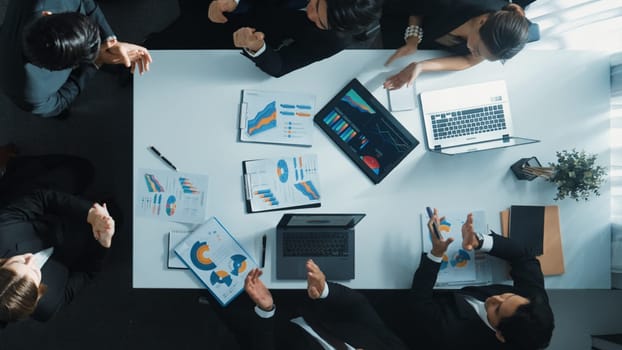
(575, 174)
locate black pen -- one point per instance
(162, 157)
(263, 251)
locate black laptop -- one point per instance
(328, 239)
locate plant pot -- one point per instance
(517, 168)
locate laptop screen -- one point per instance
(315, 220)
(366, 131)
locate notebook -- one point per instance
(328, 239)
(527, 228)
(469, 118)
(552, 258)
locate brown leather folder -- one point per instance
(552, 260)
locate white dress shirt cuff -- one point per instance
(487, 244)
(324, 294)
(265, 314)
(436, 259)
(256, 53)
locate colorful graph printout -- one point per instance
(170, 195)
(217, 259)
(277, 117)
(280, 183)
(458, 265)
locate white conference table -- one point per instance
(187, 106)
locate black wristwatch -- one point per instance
(480, 240)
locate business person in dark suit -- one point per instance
(80, 233)
(472, 30)
(490, 317)
(332, 317)
(20, 175)
(50, 49)
(282, 36)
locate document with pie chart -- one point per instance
(170, 195)
(458, 265)
(277, 117)
(217, 259)
(284, 182)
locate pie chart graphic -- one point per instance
(372, 163)
(171, 205)
(238, 264)
(444, 262)
(199, 257)
(461, 259)
(282, 171)
(220, 277)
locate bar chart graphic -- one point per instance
(153, 185)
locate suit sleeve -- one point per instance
(262, 333)
(287, 59)
(57, 101)
(85, 269)
(94, 12)
(40, 202)
(525, 268)
(421, 304)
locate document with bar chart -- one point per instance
(277, 117)
(281, 183)
(170, 195)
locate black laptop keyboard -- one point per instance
(314, 244)
(468, 122)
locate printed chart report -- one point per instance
(458, 265)
(217, 259)
(279, 183)
(277, 117)
(170, 195)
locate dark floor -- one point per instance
(109, 314)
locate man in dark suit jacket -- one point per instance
(40, 220)
(333, 315)
(279, 36)
(38, 84)
(490, 317)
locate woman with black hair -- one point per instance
(473, 30)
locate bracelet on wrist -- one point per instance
(413, 30)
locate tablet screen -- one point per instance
(365, 131)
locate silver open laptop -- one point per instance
(469, 118)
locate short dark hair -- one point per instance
(530, 327)
(60, 41)
(18, 295)
(352, 16)
(505, 32)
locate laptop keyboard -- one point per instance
(314, 244)
(468, 122)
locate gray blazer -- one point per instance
(34, 89)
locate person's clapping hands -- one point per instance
(405, 77)
(257, 291)
(469, 239)
(439, 245)
(248, 38)
(129, 55)
(217, 9)
(102, 224)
